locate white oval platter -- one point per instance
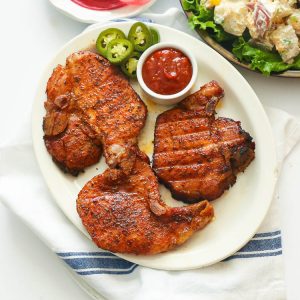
(239, 212)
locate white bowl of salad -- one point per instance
(261, 35)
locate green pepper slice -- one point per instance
(140, 36)
(130, 64)
(155, 36)
(106, 36)
(119, 50)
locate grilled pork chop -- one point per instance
(196, 155)
(124, 213)
(90, 104)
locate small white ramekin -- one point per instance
(166, 99)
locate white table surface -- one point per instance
(31, 32)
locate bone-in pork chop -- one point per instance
(90, 105)
(196, 155)
(124, 213)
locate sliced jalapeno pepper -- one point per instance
(140, 36)
(155, 36)
(106, 36)
(130, 64)
(119, 50)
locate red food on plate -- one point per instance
(108, 5)
(135, 2)
(100, 4)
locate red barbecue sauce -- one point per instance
(167, 71)
(100, 4)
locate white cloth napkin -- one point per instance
(255, 272)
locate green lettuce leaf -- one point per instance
(296, 64)
(203, 18)
(260, 59)
(190, 5)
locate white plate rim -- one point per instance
(85, 15)
(185, 264)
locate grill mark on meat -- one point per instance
(183, 142)
(183, 156)
(180, 115)
(233, 142)
(189, 180)
(192, 156)
(194, 166)
(191, 171)
(180, 122)
(197, 129)
(185, 151)
(190, 135)
(198, 157)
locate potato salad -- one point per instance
(270, 23)
(265, 33)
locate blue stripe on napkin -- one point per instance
(113, 272)
(66, 254)
(250, 255)
(90, 263)
(264, 234)
(261, 245)
(102, 262)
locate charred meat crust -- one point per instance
(73, 149)
(197, 156)
(109, 114)
(124, 213)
